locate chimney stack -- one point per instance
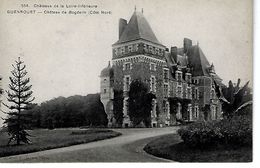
(174, 53)
(187, 43)
(122, 25)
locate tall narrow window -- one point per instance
(130, 48)
(179, 77)
(153, 66)
(127, 66)
(166, 75)
(188, 77)
(127, 83)
(152, 84)
(196, 93)
(145, 48)
(122, 50)
(188, 93)
(165, 90)
(179, 91)
(196, 112)
(116, 51)
(136, 47)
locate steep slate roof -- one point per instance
(198, 61)
(107, 71)
(138, 28)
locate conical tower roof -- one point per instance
(138, 28)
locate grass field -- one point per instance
(171, 147)
(43, 139)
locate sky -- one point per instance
(64, 54)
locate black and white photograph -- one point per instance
(140, 81)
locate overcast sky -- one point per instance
(64, 54)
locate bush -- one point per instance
(233, 132)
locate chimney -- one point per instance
(187, 43)
(122, 25)
(174, 53)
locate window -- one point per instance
(145, 48)
(196, 111)
(156, 51)
(105, 80)
(213, 109)
(179, 91)
(105, 91)
(165, 90)
(166, 109)
(127, 83)
(188, 93)
(196, 81)
(127, 66)
(190, 112)
(122, 50)
(130, 48)
(160, 52)
(179, 77)
(166, 75)
(151, 50)
(152, 84)
(116, 51)
(153, 66)
(196, 94)
(188, 77)
(136, 47)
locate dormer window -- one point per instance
(136, 47)
(116, 51)
(156, 50)
(145, 48)
(130, 48)
(151, 49)
(122, 50)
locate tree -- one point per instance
(233, 98)
(140, 103)
(20, 97)
(118, 107)
(1, 90)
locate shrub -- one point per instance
(233, 132)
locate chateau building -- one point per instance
(182, 79)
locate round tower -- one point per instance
(107, 93)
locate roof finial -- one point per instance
(197, 43)
(142, 10)
(135, 8)
(108, 63)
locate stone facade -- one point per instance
(181, 79)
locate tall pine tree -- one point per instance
(19, 97)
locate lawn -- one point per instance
(171, 147)
(43, 139)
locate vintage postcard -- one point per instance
(126, 81)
